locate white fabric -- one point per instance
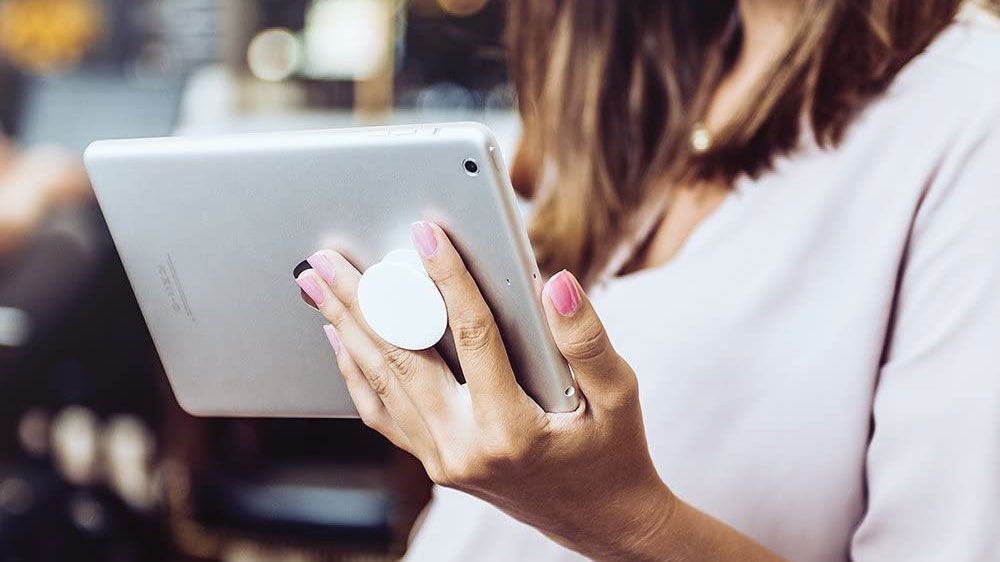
(822, 371)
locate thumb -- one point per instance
(601, 374)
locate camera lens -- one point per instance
(471, 167)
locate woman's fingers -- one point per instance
(422, 375)
(480, 348)
(377, 371)
(370, 407)
(602, 375)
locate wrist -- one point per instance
(651, 529)
(637, 525)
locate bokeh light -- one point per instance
(347, 39)
(274, 55)
(45, 35)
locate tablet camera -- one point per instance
(471, 167)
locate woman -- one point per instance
(789, 214)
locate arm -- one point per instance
(584, 478)
(933, 464)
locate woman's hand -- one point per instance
(585, 477)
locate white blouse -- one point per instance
(823, 368)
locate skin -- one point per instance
(32, 184)
(584, 478)
(767, 25)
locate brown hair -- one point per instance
(610, 92)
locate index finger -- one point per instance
(480, 347)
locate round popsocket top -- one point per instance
(410, 257)
(401, 303)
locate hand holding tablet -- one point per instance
(211, 231)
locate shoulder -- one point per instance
(962, 78)
(972, 41)
(952, 90)
(962, 65)
(934, 135)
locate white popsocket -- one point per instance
(401, 303)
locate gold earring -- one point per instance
(701, 139)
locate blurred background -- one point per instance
(97, 462)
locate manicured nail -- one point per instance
(311, 288)
(563, 294)
(331, 334)
(322, 265)
(423, 238)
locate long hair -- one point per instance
(611, 91)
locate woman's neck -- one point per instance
(767, 25)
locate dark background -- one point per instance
(97, 462)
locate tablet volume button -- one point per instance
(495, 159)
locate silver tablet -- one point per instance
(212, 232)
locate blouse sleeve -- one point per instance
(933, 462)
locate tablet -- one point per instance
(212, 231)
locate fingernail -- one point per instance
(311, 288)
(323, 266)
(331, 334)
(563, 294)
(423, 238)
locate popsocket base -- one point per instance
(401, 303)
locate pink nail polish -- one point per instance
(331, 334)
(563, 293)
(423, 238)
(323, 266)
(311, 288)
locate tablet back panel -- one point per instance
(211, 229)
